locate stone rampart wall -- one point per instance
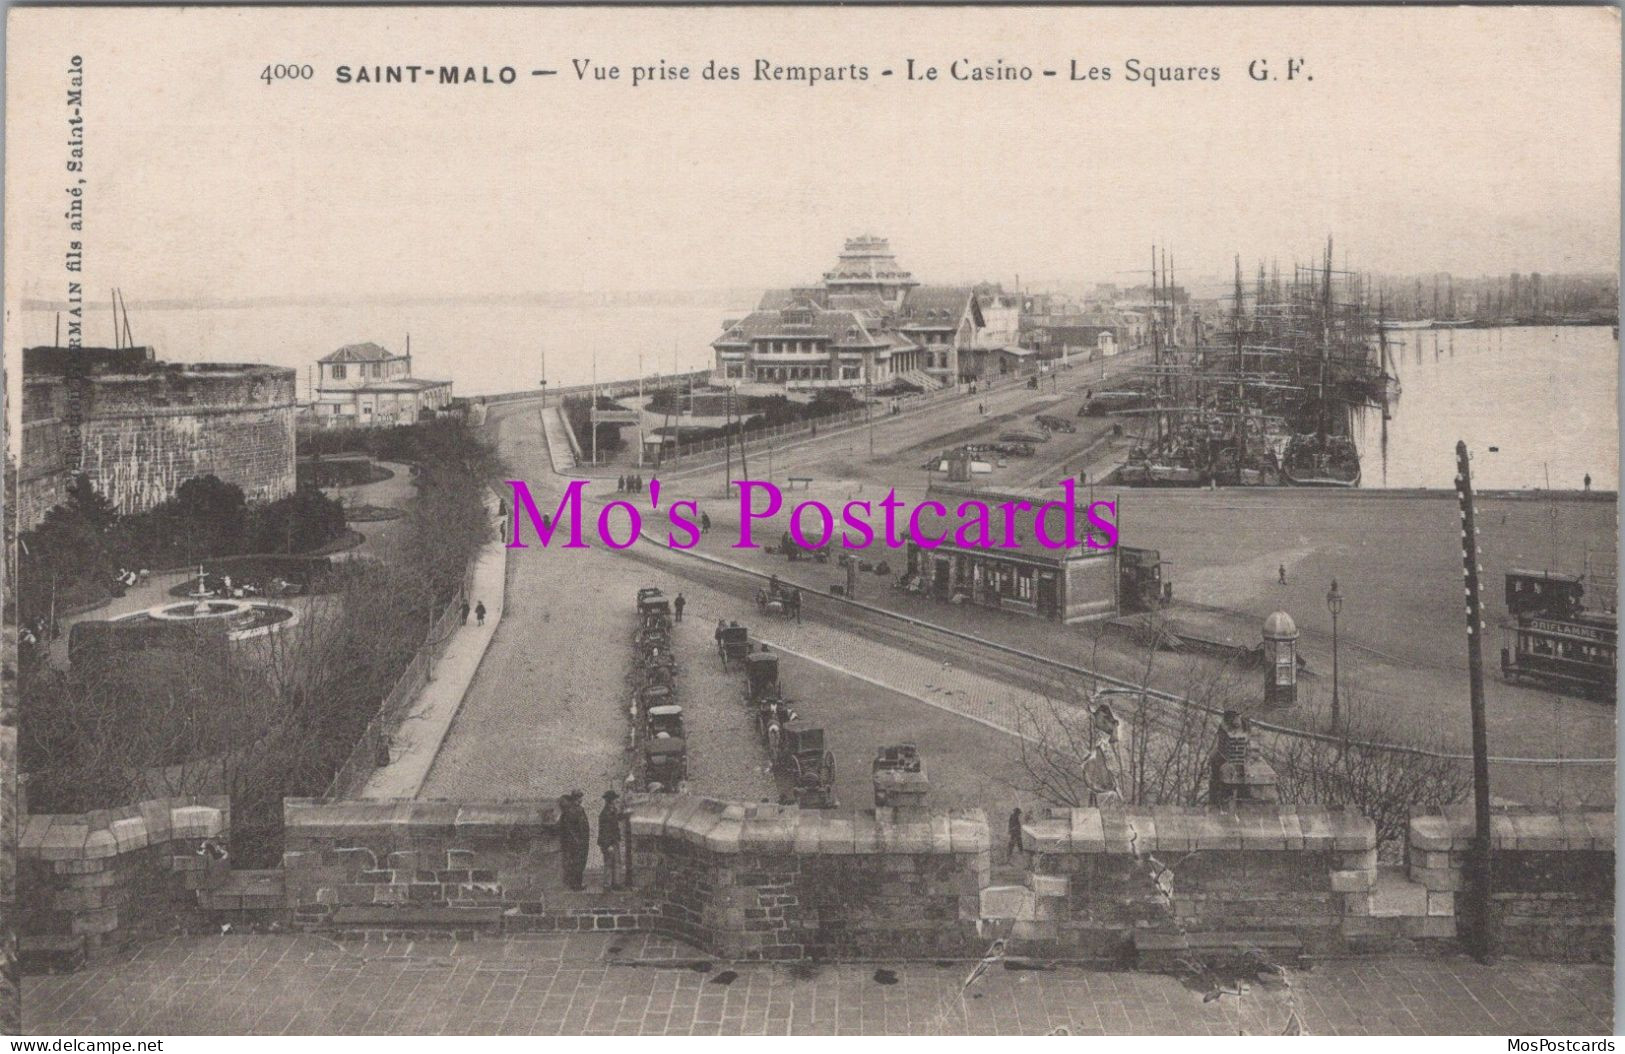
(91, 882)
(1551, 878)
(778, 882)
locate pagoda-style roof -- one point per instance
(868, 261)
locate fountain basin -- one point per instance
(244, 619)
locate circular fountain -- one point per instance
(243, 618)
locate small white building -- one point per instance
(367, 386)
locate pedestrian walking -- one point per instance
(705, 522)
(479, 612)
(1013, 845)
(677, 607)
(1282, 572)
(609, 839)
(620, 484)
(465, 610)
(1588, 483)
(721, 625)
(795, 604)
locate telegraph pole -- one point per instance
(868, 405)
(728, 442)
(1478, 904)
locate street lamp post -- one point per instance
(1334, 604)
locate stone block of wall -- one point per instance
(1258, 869)
(1551, 878)
(104, 877)
(759, 881)
(421, 865)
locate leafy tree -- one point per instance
(211, 515)
(305, 520)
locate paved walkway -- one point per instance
(558, 439)
(631, 984)
(379, 537)
(417, 742)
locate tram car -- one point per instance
(1552, 639)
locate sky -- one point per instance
(1468, 140)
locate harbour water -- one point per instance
(1544, 397)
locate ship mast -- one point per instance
(1239, 424)
(1156, 346)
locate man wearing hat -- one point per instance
(609, 839)
(575, 833)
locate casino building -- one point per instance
(869, 323)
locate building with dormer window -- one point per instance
(870, 323)
(367, 386)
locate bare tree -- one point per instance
(1161, 752)
(1384, 784)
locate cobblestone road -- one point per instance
(725, 756)
(634, 984)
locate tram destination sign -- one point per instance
(1574, 629)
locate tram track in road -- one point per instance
(1014, 665)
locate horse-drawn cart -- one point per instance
(761, 676)
(811, 767)
(665, 763)
(735, 645)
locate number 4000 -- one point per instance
(286, 73)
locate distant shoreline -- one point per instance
(718, 298)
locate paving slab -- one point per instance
(575, 984)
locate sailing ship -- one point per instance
(1273, 403)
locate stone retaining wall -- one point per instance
(1101, 878)
(88, 883)
(778, 882)
(140, 432)
(759, 881)
(393, 868)
(1551, 878)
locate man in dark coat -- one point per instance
(609, 839)
(677, 607)
(567, 836)
(576, 835)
